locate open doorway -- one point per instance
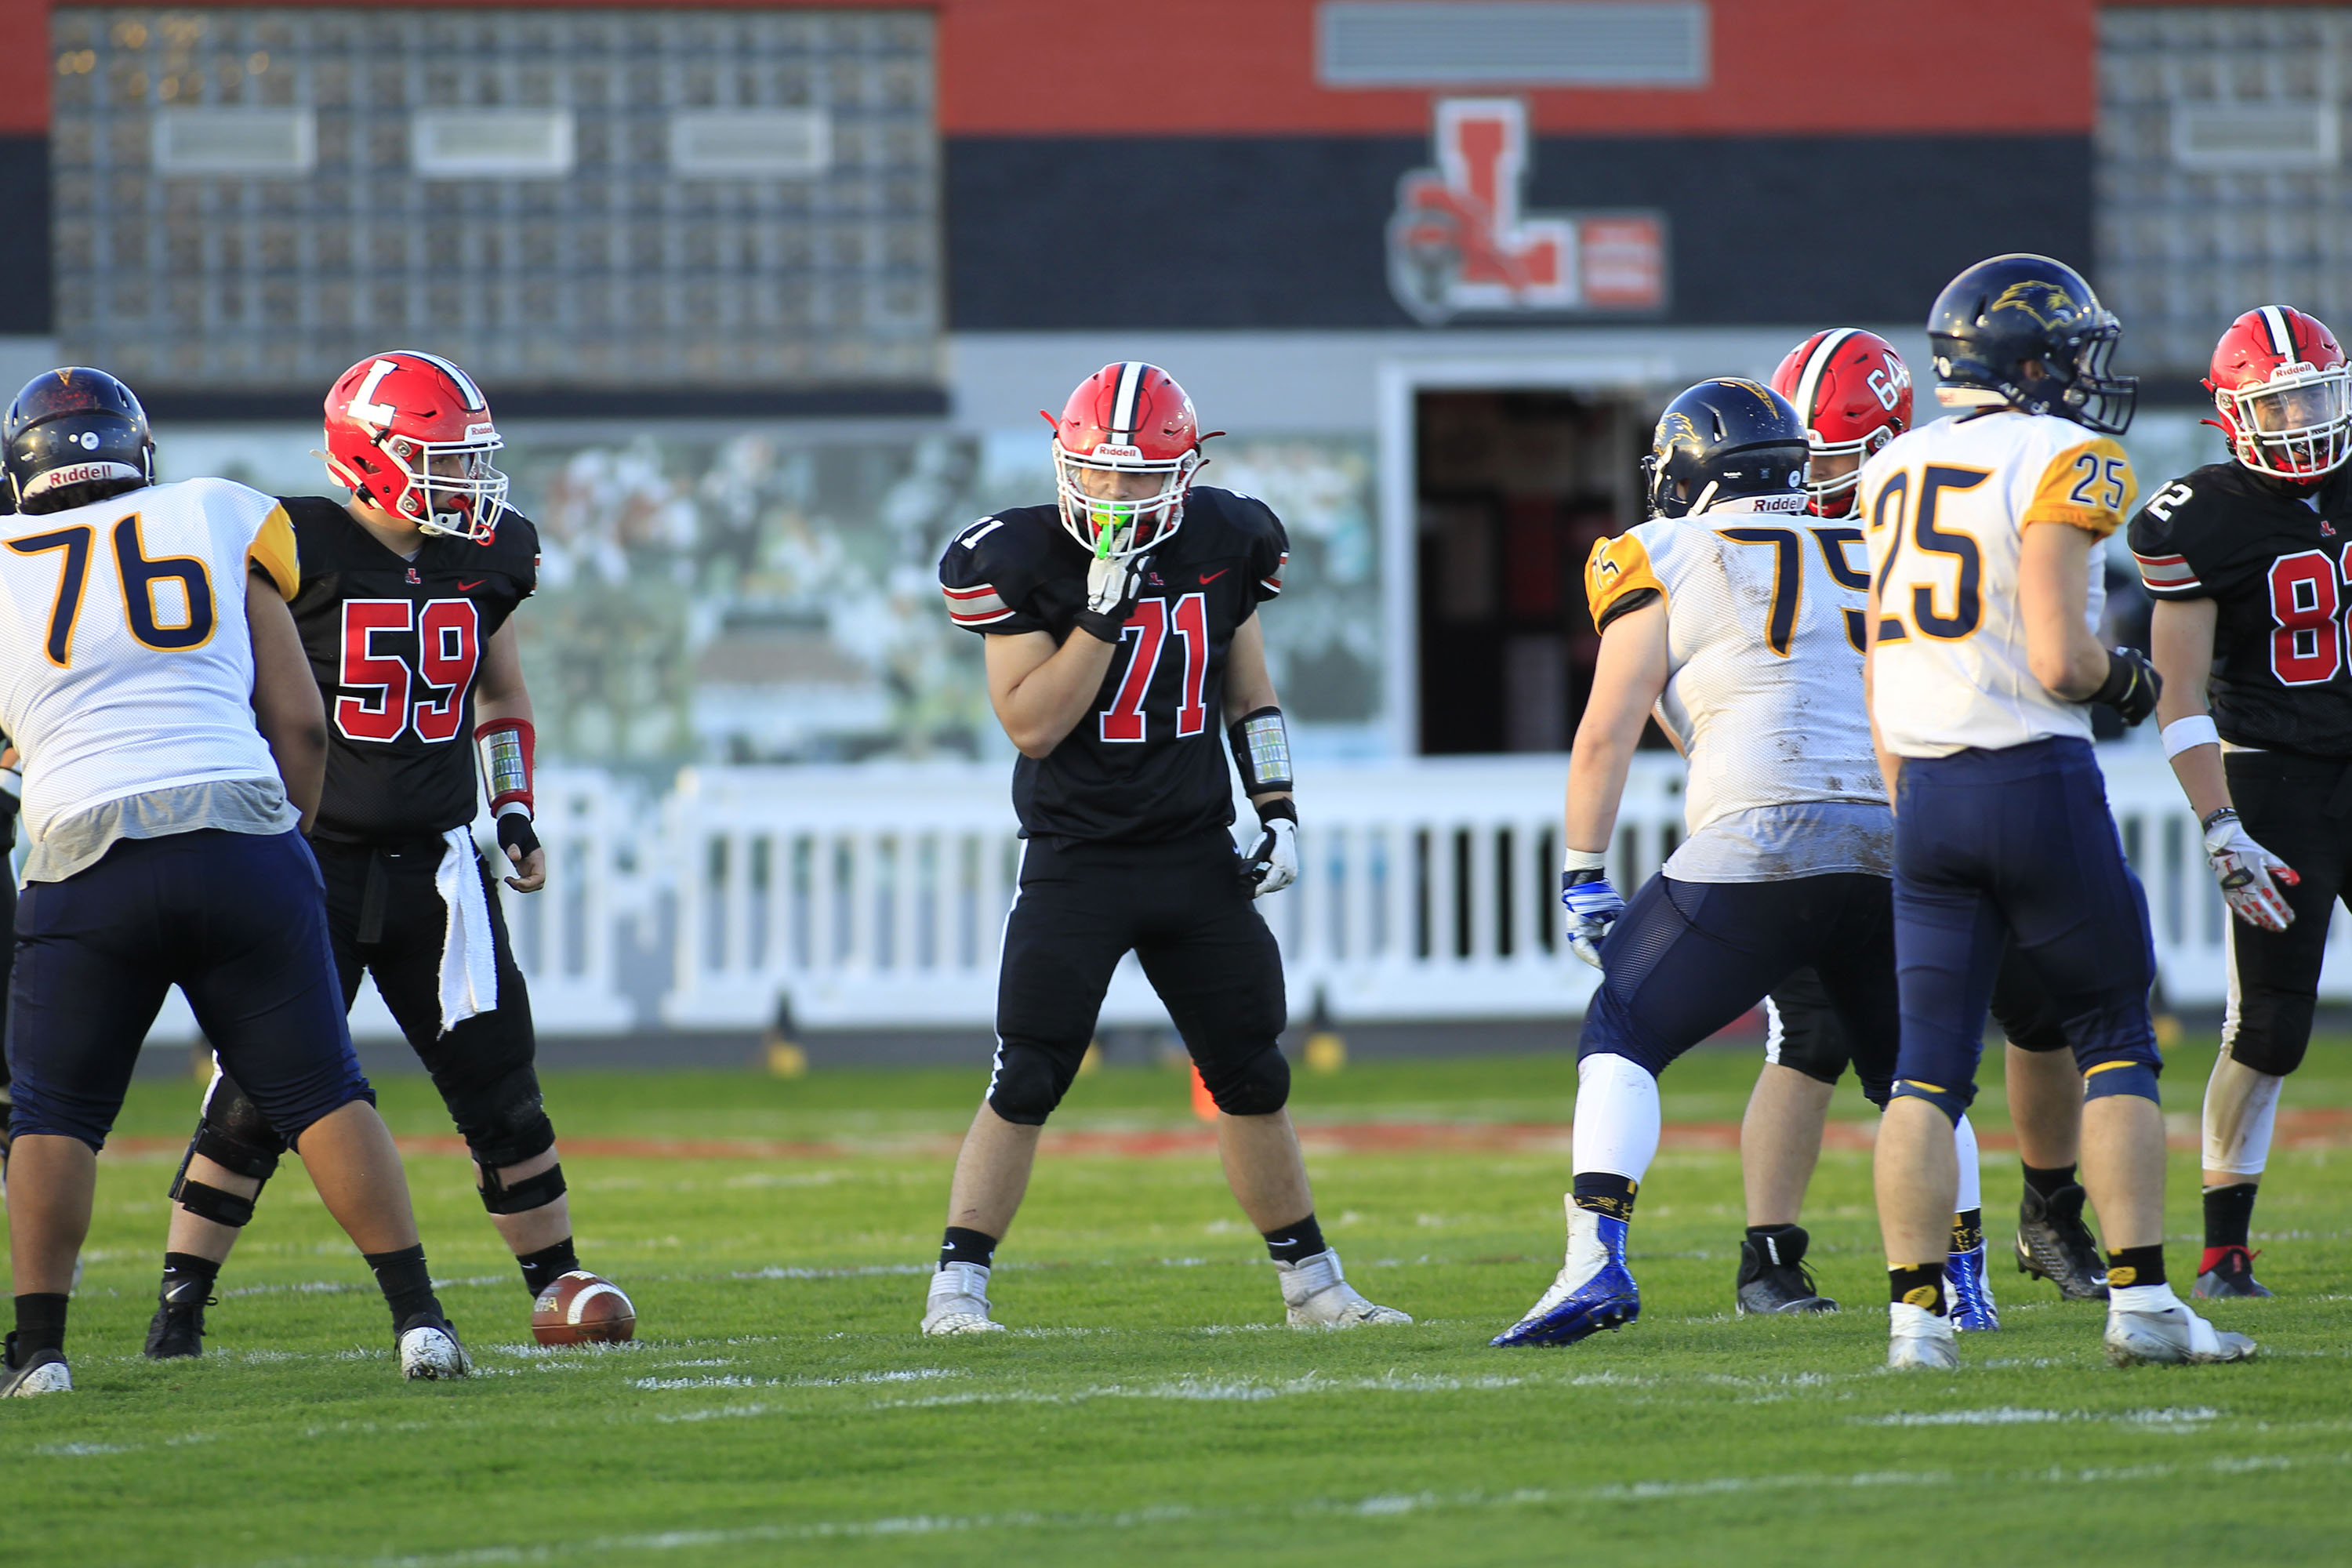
(1511, 489)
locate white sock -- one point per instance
(1964, 1147)
(2241, 1105)
(1617, 1118)
(2142, 1297)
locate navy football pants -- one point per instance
(238, 920)
(2017, 845)
(1687, 958)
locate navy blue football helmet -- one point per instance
(73, 437)
(1725, 439)
(2027, 332)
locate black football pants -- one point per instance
(2300, 809)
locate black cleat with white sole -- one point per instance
(1773, 1279)
(40, 1372)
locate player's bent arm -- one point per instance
(2180, 639)
(287, 707)
(500, 695)
(1248, 685)
(2053, 593)
(1890, 765)
(1040, 691)
(1626, 684)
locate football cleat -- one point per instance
(1317, 1295)
(1972, 1308)
(2053, 1242)
(2231, 1275)
(1919, 1340)
(430, 1350)
(1773, 1277)
(42, 1372)
(958, 1303)
(177, 1329)
(2169, 1336)
(1593, 1291)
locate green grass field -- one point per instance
(778, 1406)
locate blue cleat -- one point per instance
(1594, 1289)
(1969, 1293)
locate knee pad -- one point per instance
(1258, 1086)
(2272, 1033)
(505, 1122)
(520, 1197)
(233, 1135)
(1952, 1103)
(1028, 1082)
(211, 1203)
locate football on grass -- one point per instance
(581, 1308)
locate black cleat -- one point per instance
(2231, 1276)
(2053, 1242)
(177, 1329)
(40, 1372)
(1773, 1277)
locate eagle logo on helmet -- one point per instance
(2047, 303)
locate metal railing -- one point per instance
(875, 895)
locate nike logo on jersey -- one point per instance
(466, 587)
(1209, 577)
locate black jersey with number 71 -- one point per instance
(1148, 761)
(396, 646)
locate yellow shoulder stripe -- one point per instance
(273, 551)
(1617, 567)
(2089, 486)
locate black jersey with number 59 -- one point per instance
(1148, 761)
(395, 645)
(2278, 567)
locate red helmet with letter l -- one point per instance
(412, 433)
(1854, 393)
(1125, 451)
(2279, 382)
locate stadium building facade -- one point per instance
(767, 295)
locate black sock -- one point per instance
(1604, 1193)
(545, 1266)
(963, 1246)
(2048, 1182)
(1967, 1230)
(41, 1323)
(2135, 1265)
(1295, 1243)
(1918, 1285)
(407, 1283)
(2230, 1213)
(188, 1280)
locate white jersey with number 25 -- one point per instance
(125, 661)
(1945, 510)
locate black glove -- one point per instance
(1113, 585)
(2132, 685)
(515, 832)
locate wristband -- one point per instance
(1574, 860)
(2227, 814)
(505, 746)
(1262, 751)
(2187, 735)
(1282, 808)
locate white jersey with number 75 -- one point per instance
(1945, 509)
(126, 665)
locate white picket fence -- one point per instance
(874, 896)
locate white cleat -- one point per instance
(430, 1352)
(1919, 1340)
(2169, 1336)
(1317, 1295)
(958, 1303)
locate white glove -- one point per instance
(2252, 877)
(1273, 865)
(1114, 583)
(1593, 905)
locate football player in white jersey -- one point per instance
(1980, 669)
(173, 741)
(1741, 625)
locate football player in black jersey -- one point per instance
(405, 606)
(2248, 562)
(1122, 643)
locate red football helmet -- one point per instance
(1854, 393)
(1127, 419)
(2279, 381)
(414, 434)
